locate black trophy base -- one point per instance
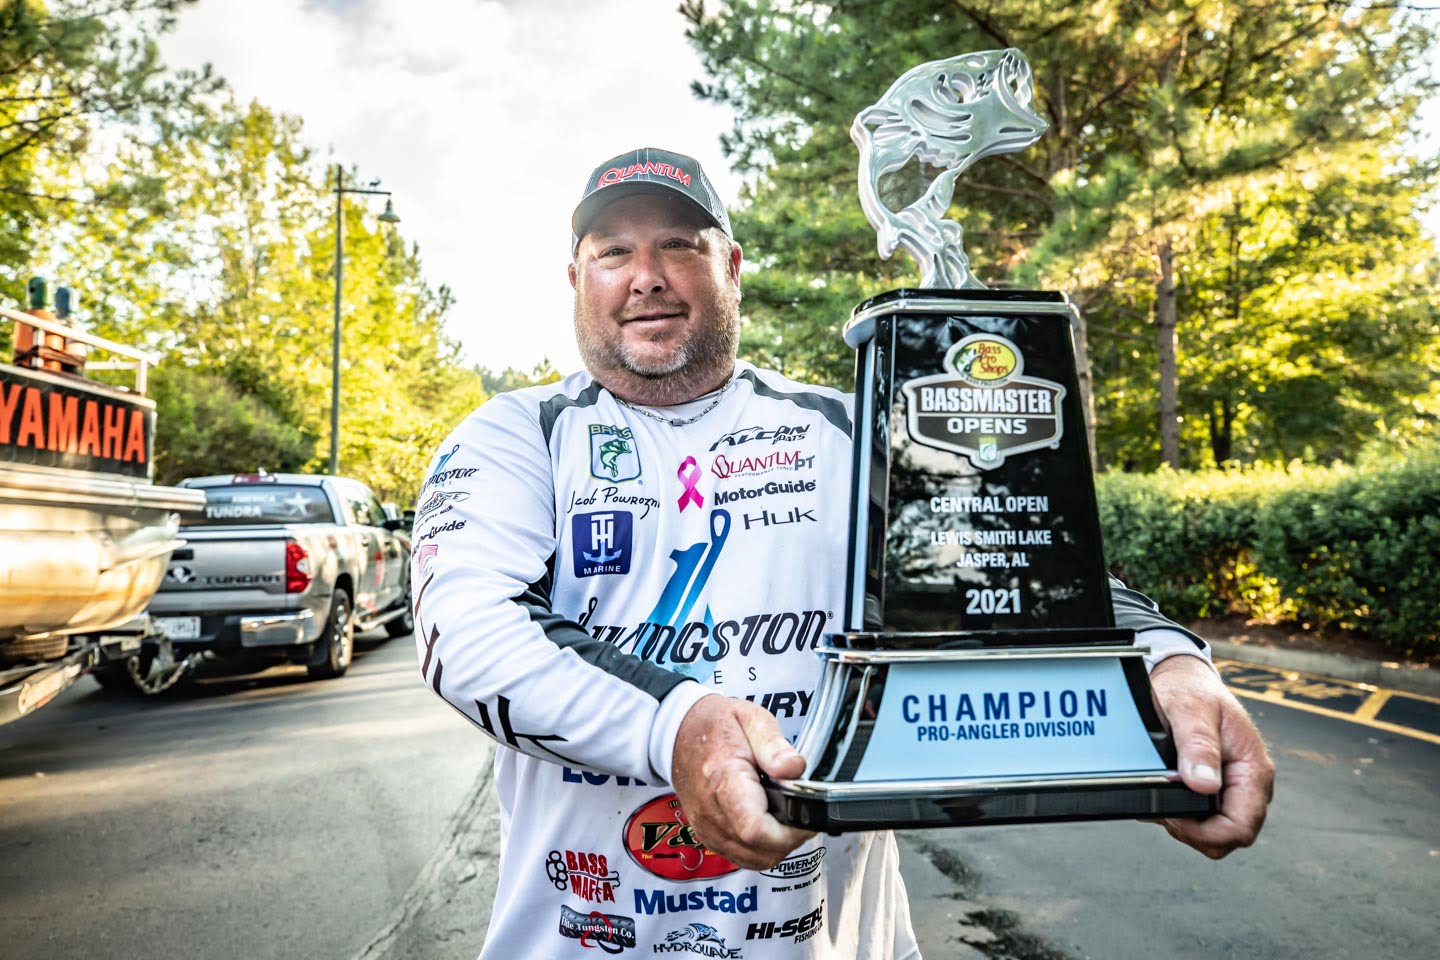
(819, 807)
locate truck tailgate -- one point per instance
(230, 570)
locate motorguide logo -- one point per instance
(722, 497)
(660, 840)
(587, 875)
(595, 929)
(697, 938)
(983, 408)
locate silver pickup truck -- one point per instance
(285, 568)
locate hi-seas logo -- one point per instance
(697, 938)
(612, 453)
(595, 929)
(796, 929)
(587, 875)
(984, 409)
(601, 542)
(661, 841)
(781, 434)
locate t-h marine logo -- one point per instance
(601, 542)
(983, 408)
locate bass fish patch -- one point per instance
(613, 456)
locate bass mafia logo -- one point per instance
(984, 408)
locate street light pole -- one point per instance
(387, 217)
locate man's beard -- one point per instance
(697, 364)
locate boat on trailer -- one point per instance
(85, 535)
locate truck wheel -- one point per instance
(405, 623)
(337, 641)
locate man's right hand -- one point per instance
(722, 746)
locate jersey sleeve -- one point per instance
(488, 641)
(1163, 636)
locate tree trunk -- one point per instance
(1079, 331)
(1165, 324)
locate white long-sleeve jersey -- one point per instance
(585, 574)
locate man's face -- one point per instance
(657, 300)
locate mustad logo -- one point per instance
(723, 497)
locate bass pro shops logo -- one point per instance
(983, 408)
(661, 841)
(612, 453)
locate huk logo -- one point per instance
(601, 542)
(612, 453)
(984, 409)
(660, 840)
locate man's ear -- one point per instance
(571, 271)
(735, 259)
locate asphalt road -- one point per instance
(273, 817)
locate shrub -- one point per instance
(1357, 547)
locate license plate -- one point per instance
(179, 628)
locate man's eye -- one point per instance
(612, 252)
(676, 244)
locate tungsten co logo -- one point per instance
(613, 455)
(601, 542)
(595, 929)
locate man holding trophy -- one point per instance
(624, 578)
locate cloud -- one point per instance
(484, 118)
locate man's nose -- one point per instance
(649, 274)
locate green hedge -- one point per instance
(1355, 547)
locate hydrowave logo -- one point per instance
(698, 938)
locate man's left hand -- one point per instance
(1218, 746)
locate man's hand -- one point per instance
(722, 745)
(1213, 733)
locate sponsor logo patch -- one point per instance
(983, 408)
(773, 488)
(756, 434)
(724, 466)
(587, 875)
(613, 455)
(443, 474)
(434, 532)
(652, 902)
(765, 519)
(595, 929)
(601, 542)
(661, 841)
(796, 929)
(439, 502)
(689, 474)
(697, 938)
(426, 554)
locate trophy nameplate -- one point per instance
(982, 678)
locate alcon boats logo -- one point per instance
(984, 408)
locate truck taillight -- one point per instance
(297, 568)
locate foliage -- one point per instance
(205, 230)
(1356, 547)
(512, 379)
(1262, 147)
(205, 425)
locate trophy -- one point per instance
(982, 678)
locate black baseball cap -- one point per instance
(648, 169)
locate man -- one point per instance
(619, 572)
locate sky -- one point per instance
(484, 118)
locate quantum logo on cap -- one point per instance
(650, 168)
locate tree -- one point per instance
(1161, 115)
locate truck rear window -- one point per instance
(247, 505)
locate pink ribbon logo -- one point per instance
(689, 474)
